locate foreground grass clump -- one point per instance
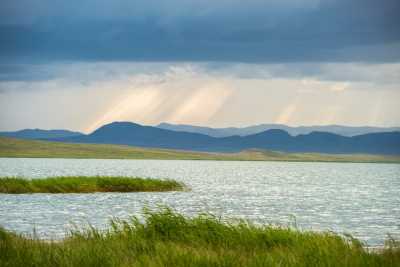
(166, 238)
(83, 184)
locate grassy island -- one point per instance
(84, 184)
(166, 238)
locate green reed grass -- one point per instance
(167, 238)
(84, 184)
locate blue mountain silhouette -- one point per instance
(127, 133)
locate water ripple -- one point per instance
(361, 199)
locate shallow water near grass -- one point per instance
(357, 198)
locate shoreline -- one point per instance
(227, 160)
(20, 148)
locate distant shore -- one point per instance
(21, 148)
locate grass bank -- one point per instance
(83, 184)
(19, 148)
(167, 238)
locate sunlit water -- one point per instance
(360, 199)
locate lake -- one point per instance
(356, 198)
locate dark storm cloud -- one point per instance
(234, 31)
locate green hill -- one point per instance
(19, 148)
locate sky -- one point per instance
(81, 64)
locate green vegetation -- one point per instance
(18, 148)
(167, 238)
(83, 184)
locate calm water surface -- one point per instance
(361, 199)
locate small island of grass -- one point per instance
(85, 184)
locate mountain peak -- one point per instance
(40, 134)
(275, 132)
(122, 123)
(292, 130)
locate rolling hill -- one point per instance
(127, 133)
(40, 134)
(243, 131)
(22, 148)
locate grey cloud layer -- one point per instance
(177, 30)
(84, 73)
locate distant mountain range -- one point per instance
(40, 134)
(127, 133)
(230, 131)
